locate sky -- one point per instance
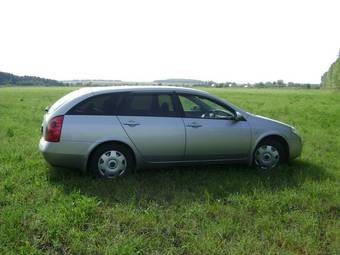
(134, 40)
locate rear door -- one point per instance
(152, 122)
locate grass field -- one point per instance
(213, 210)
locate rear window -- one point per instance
(68, 97)
(106, 104)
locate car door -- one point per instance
(153, 124)
(211, 131)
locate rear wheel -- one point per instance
(111, 160)
(268, 154)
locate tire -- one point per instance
(111, 161)
(269, 153)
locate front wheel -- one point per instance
(110, 161)
(268, 154)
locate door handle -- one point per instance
(194, 125)
(131, 123)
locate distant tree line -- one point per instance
(331, 78)
(268, 84)
(15, 80)
(282, 84)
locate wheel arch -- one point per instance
(112, 142)
(275, 137)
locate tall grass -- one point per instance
(203, 210)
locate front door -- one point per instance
(211, 131)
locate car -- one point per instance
(111, 131)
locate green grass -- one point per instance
(208, 210)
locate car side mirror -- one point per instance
(238, 117)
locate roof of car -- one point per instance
(144, 88)
(78, 95)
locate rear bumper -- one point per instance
(64, 154)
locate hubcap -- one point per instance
(112, 163)
(267, 156)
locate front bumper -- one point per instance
(295, 145)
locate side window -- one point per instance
(138, 105)
(157, 105)
(187, 104)
(165, 105)
(106, 104)
(200, 107)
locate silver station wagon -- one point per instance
(113, 130)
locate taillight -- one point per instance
(53, 129)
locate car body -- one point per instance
(159, 125)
